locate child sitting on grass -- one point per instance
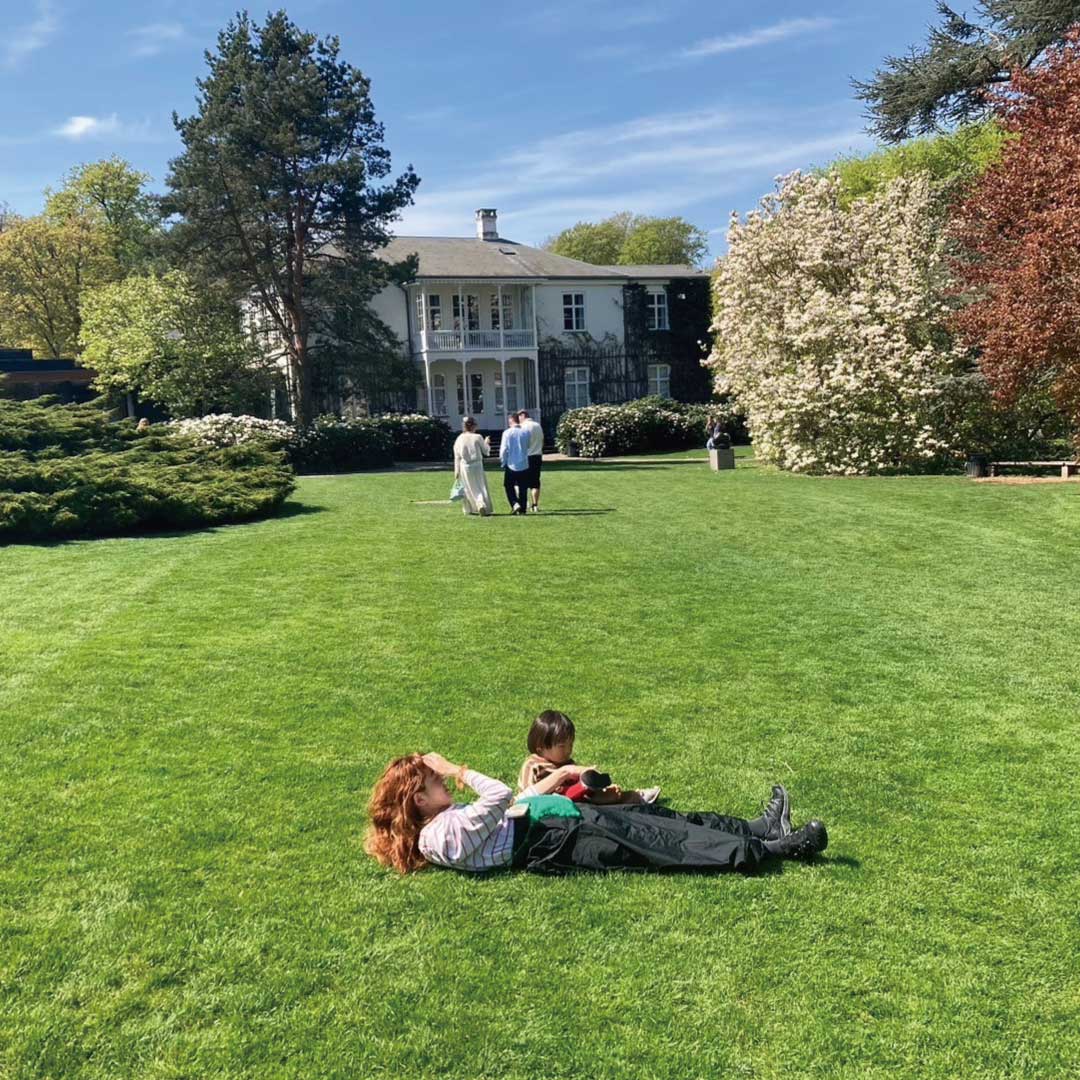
(551, 745)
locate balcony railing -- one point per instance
(476, 340)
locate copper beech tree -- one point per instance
(1020, 230)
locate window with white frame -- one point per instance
(507, 312)
(460, 395)
(577, 387)
(476, 396)
(438, 395)
(472, 305)
(656, 311)
(660, 379)
(573, 311)
(420, 309)
(456, 305)
(499, 400)
(512, 391)
(495, 312)
(434, 307)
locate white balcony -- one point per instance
(476, 340)
(473, 317)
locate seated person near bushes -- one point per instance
(415, 822)
(551, 745)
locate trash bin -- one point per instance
(978, 466)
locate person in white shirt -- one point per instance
(469, 450)
(415, 823)
(536, 456)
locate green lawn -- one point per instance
(191, 725)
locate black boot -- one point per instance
(776, 821)
(805, 843)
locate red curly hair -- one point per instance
(394, 834)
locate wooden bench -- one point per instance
(1067, 467)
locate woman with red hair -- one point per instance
(415, 821)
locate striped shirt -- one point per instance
(476, 836)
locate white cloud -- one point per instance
(87, 127)
(154, 38)
(27, 39)
(661, 163)
(750, 39)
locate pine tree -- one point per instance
(944, 81)
(277, 194)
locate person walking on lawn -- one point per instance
(514, 458)
(536, 456)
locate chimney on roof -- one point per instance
(487, 225)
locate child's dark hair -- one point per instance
(548, 729)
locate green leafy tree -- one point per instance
(952, 160)
(174, 341)
(46, 264)
(277, 194)
(944, 81)
(111, 194)
(627, 239)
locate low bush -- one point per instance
(67, 471)
(639, 427)
(417, 437)
(331, 445)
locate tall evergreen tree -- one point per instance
(277, 193)
(944, 81)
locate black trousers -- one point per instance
(516, 487)
(645, 837)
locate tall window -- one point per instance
(660, 379)
(656, 311)
(499, 400)
(573, 311)
(476, 386)
(420, 309)
(577, 387)
(456, 303)
(496, 320)
(472, 303)
(512, 391)
(460, 395)
(434, 306)
(438, 395)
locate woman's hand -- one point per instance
(438, 764)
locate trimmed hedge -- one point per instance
(638, 427)
(331, 444)
(132, 481)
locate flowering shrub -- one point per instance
(417, 437)
(829, 327)
(224, 429)
(639, 427)
(334, 445)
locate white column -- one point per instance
(502, 332)
(423, 318)
(427, 380)
(465, 385)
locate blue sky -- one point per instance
(554, 112)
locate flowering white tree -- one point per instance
(828, 323)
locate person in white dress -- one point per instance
(469, 450)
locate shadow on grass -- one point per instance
(289, 509)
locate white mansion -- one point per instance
(496, 326)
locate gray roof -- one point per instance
(468, 257)
(674, 270)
